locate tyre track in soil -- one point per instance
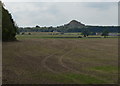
(72, 69)
(68, 68)
(43, 62)
(68, 53)
(62, 63)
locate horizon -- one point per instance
(55, 14)
(67, 23)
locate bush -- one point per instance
(79, 36)
(29, 33)
(22, 33)
(105, 33)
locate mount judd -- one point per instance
(72, 26)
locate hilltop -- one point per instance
(74, 24)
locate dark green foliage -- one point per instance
(29, 33)
(17, 32)
(105, 33)
(85, 32)
(61, 33)
(37, 26)
(92, 33)
(93, 29)
(9, 28)
(79, 36)
(1, 21)
(22, 33)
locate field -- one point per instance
(54, 35)
(36, 59)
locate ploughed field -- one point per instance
(60, 61)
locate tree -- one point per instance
(9, 27)
(22, 33)
(85, 33)
(29, 33)
(37, 26)
(105, 33)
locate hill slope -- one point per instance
(74, 24)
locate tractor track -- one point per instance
(43, 62)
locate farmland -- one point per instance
(40, 59)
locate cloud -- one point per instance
(54, 13)
(60, 0)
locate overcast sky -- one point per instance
(59, 13)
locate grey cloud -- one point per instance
(101, 5)
(54, 13)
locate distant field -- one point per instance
(54, 35)
(36, 60)
(48, 35)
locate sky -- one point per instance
(59, 13)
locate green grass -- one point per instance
(85, 79)
(64, 36)
(70, 78)
(106, 68)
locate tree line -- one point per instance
(92, 29)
